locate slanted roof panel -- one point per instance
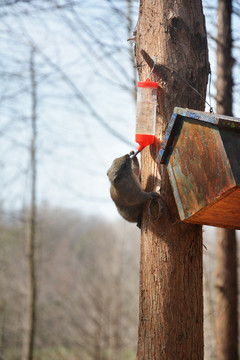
(181, 113)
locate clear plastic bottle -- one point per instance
(146, 113)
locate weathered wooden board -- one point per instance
(201, 152)
(223, 213)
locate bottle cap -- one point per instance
(147, 84)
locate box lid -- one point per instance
(181, 113)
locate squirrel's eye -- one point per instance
(124, 166)
(117, 178)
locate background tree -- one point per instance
(226, 277)
(86, 268)
(31, 237)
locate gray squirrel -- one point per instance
(126, 191)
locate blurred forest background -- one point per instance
(67, 106)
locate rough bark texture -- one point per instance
(226, 325)
(171, 290)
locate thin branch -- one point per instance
(79, 95)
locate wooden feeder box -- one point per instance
(202, 155)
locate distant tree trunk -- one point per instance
(226, 300)
(226, 326)
(131, 51)
(171, 284)
(31, 309)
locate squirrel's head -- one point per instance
(120, 167)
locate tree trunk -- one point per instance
(226, 326)
(171, 288)
(28, 345)
(224, 58)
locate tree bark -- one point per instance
(171, 289)
(226, 324)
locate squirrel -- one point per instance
(126, 192)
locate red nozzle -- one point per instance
(140, 148)
(144, 140)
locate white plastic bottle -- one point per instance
(146, 113)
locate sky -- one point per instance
(74, 149)
(80, 58)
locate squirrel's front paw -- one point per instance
(153, 195)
